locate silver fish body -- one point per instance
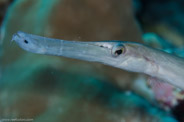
(129, 56)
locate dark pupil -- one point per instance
(26, 41)
(118, 52)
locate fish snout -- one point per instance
(15, 37)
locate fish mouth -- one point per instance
(14, 37)
(17, 36)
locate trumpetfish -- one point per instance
(130, 56)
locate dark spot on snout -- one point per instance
(118, 52)
(25, 41)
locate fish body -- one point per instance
(129, 56)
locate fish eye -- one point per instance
(118, 50)
(25, 41)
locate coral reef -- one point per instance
(49, 88)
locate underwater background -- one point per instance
(44, 88)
